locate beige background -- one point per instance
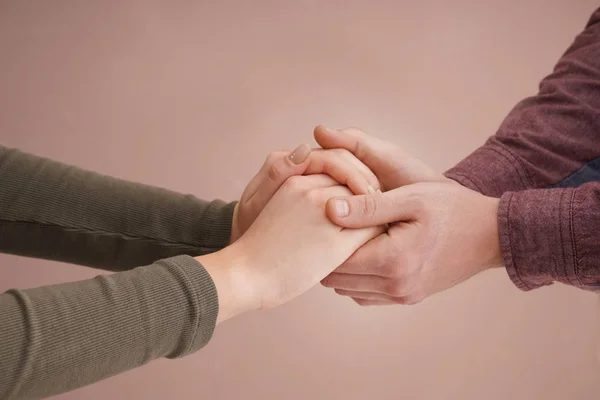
(192, 95)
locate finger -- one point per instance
(258, 178)
(355, 141)
(344, 168)
(356, 238)
(359, 237)
(356, 283)
(263, 173)
(400, 168)
(373, 209)
(277, 169)
(319, 181)
(369, 296)
(376, 257)
(364, 303)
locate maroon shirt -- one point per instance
(544, 164)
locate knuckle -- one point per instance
(395, 288)
(390, 270)
(359, 151)
(276, 172)
(352, 265)
(369, 206)
(313, 196)
(373, 180)
(272, 158)
(328, 282)
(293, 183)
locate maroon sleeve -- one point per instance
(551, 235)
(549, 136)
(551, 139)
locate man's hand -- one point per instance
(390, 163)
(440, 235)
(340, 164)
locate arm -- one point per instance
(55, 211)
(442, 234)
(551, 138)
(60, 212)
(58, 338)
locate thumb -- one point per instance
(372, 209)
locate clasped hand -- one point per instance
(366, 219)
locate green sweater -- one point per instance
(57, 338)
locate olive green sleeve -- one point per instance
(58, 338)
(55, 211)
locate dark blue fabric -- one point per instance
(590, 172)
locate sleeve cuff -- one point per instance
(204, 303)
(535, 237)
(214, 225)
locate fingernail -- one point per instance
(342, 208)
(300, 154)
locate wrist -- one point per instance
(227, 268)
(493, 258)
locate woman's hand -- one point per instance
(290, 247)
(340, 164)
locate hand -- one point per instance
(394, 168)
(392, 165)
(290, 247)
(340, 164)
(441, 234)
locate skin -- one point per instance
(403, 233)
(440, 233)
(283, 244)
(340, 164)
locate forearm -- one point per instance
(60, 212)
(57, 338)
(550, 235)
(550, 136)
